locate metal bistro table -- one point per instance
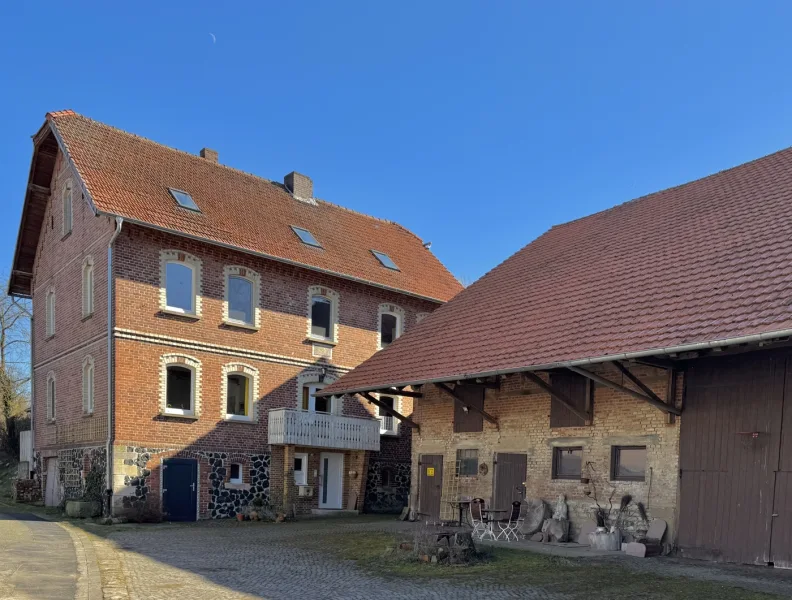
(460, 505)
(485, 512)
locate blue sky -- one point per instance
(476, 125)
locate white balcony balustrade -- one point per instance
(289, 426)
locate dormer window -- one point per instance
(385, 260)
(306, 237)
(184, 199)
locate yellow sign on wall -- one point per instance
(430, 471)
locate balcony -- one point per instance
(289, 426)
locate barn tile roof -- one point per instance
(129, 176)
(704, 262)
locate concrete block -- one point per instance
(635, 549)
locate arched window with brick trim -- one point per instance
(180, 385)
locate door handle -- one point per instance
(192, 486)
(775, 514)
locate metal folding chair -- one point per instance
(510, 529)
(477, 519)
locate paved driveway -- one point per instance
(37, 559)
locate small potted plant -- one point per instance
(240, 516)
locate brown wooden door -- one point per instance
(727, 475)
(508, 482)
(430, 486)
(781, 535)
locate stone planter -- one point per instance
(605, 540)
(83, 509)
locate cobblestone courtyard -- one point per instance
(228, 560)
(219, 560)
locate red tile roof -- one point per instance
(707, 261)
(129, 176)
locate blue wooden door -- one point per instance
(180, 489)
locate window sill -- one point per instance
(628, 480)
(236, 486)
(66, 235)
(177, 313)
(315, 340)
(49, 337)
(243, 420)
(86, 317)
(178, 415)
(50, 421)
(87, 414)
(240, 325)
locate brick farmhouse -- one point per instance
(184, 314)
(643, 351)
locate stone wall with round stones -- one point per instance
(137, 477)
(387, 486)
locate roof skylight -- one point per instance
(386, 260)
(184, 199)
(306, 237)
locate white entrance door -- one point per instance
(52, 493)
(331, 479)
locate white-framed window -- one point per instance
(50, 312)
(239, 391)
(180, 283)
(242, 292)
(88, 286)
(50, 396)
(300, 468)
(389, 424)
(323, 314)
(67, 208)
(311, 381)
(88, 385)
(180, 385)
(235, 473)
(390, 320)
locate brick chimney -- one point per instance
(210, 155)
(299, 185)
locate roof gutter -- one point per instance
(747, 339)
(119, 221)
(271, 257)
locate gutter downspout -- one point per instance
(119, 221)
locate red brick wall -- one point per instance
(58, 266)
(284, 313)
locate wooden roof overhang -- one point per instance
(37, 193)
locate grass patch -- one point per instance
(569, 577)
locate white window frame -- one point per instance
(252, 374)
(67, 198)
(302, 479)
(311, 377)
(88, 287)
(236, 480)
(255, 285)
(192, 262)
(334, 298)
(395, 311)
(397, 402)
(52, 396)
(88, 385)
(49, 316)
(194, 365)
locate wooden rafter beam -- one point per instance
(388, 410)
(660, 363)
(558, 395)
(458, 399)
(656, 402)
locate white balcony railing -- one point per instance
(322, 430)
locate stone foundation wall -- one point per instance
(137, 480)
(387, 486)
(74, 464)
(25, 490)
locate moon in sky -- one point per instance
(214, 39)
